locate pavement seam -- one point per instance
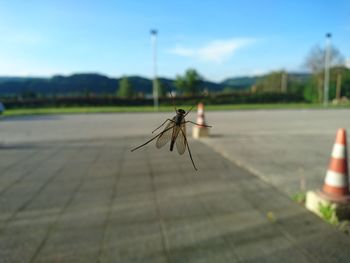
(162, 229)
(107, 222)
(25, 204)
(37, 193)
(265, 180)
(236, 162)
(52, 227)
(252, 171)
(35, 167)
(284, 233)
(26, 158)
(212, 219)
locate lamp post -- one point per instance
(326, 69)
(155, 82)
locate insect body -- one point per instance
(175, 132)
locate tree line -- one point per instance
(189, 85)
(192, 83)
(309, 87)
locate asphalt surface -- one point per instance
(288, 148)
(71, 191)
(95, 201)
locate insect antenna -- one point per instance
(192, 107)
(189, 110)
(172, 98)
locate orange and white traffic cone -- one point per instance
(200, 114)
(335, 191)
(197, 130)
(336, 184)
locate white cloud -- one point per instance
(347, 63)
(181, 51)
(216, 51)
(256, 72)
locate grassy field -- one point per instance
(107, 109)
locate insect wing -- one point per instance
(181, 139)
(165, 136)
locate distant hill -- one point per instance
(74, 84)
(84, 83)
(7, 79)
(99, 84)
(241, 82)
(247, 82)
(300, 77)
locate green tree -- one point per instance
(345, 84)
(125, 89)
(228, 90)
(315, 62)
(161, 88)
(189, 83)
(311, 90)
(272, 82)
(339, 79)
(297, 84)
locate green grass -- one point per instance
(103, 109)
(299, 197)
(273, 106)
(328, 212)
(75, 110)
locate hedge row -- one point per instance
(233, 98)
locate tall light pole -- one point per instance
(155, 82)
(326, 69)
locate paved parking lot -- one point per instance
(93, 200)
(283, 147)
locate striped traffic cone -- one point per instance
(336, 184)
(335, 192)
(200, 131)
(200, 114)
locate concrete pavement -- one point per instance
(281, 146)
(95, 201)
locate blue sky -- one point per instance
(218, 38)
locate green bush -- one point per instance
(92, 100)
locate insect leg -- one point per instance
(202, 125)
(152, 138)
(188, 147)
(162, 125)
